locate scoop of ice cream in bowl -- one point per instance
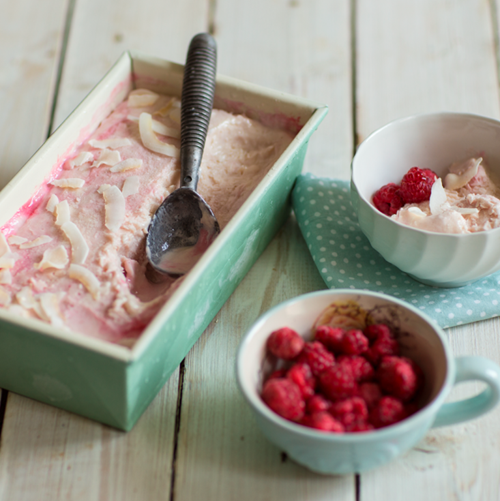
(427, 195)
(344, 381)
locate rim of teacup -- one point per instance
(407, 424)
(400, 121)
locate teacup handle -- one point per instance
(470, 369)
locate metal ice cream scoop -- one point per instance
(184, 225)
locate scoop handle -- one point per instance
(198, 89)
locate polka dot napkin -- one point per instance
(346, 260)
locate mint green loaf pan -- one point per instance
(114, 384)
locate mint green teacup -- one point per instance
(421, 339)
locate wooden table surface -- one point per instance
(370, 62)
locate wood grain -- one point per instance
(29, 57)
(415, 58)
(50, 454)
(102, 30)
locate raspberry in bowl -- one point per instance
(417, 203)
(339, 403)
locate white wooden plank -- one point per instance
(29, 55)
(423, 56)
(301, 48)
(102, 30)
(222, 455)
(49, 454)
(62, 455)
(416, 57)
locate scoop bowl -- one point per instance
(419, 338)
(432, 141)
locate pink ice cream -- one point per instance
(466, 201)
(75, 258)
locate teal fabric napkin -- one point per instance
(346, 260)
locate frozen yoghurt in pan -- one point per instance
(465, 201)
(73, 256)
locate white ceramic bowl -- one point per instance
(432, 141)
(420, 339)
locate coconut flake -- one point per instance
(44, 239)
(163, 112)
(160, 128)
(128, 164)
(5, 277)
(108, 157)
(131, 186)
(175, 115)
(50, 306)
(53, 258)
(81, 158)
(5, 297)
(62, 213)
(150, 141)
(15, 240)
(79, 248)
(51, 204)
(25, 298)
(18, 310)
(111, 143)
(438, 201)
(69, 182)
(416, 211)
(4, 246)
(86, 277)
(142, 97)
(114, 207)
(7, 261)
(461, 173)
(465, 210)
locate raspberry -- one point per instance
(338, 382)
(285, 343)
(317, 403)
(388, 199)
(354, 342)
(416, 185)
(389, 410)
(383, 346)
(397, 377)
(331, 337)
(410, 409)
(302, 376)
(284, 398)
(361, 368)
(370, 393)
(374, 331)
(317, 357)
(350, 411)
(360, 427)
(276, 374)
(323, 421)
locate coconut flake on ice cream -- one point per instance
(77, 261)
(465, 202)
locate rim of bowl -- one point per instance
(260, 407)
(407, 119)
